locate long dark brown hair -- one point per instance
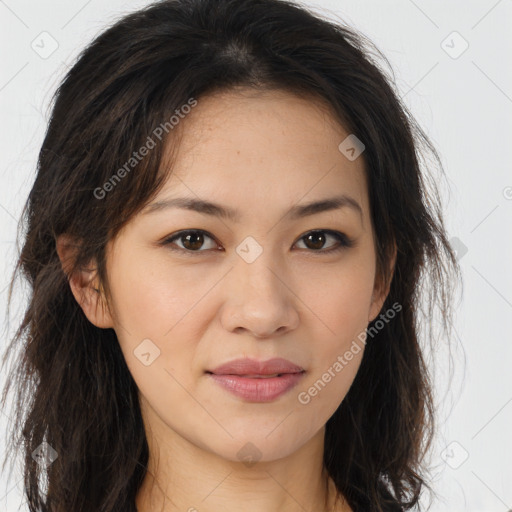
(74, 389)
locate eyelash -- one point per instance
(344, 241)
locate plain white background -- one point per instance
(461, 96)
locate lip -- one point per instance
(248, 379)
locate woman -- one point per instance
(226, 242)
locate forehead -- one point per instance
(251, 148)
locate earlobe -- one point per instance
(84, 284)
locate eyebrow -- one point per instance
(217, 210)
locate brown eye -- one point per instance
(191, 241)
(315, 240)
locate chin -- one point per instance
(254, 444)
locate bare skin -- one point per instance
(260, 154)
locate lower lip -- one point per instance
(258, 390)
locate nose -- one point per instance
(259, 300)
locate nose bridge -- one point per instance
(255, 270)
(260, 276)
(257, 298)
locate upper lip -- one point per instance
(247, 366)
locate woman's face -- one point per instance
(255, 284)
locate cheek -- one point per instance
(152, 297)
(336, 352)
(341, 298)
(156, 314)
(154, 301)
(341, 306)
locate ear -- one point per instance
(380, 292)
(84, 283)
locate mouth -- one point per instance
(257, 381)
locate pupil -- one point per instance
(318, 240)
(189, 239)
